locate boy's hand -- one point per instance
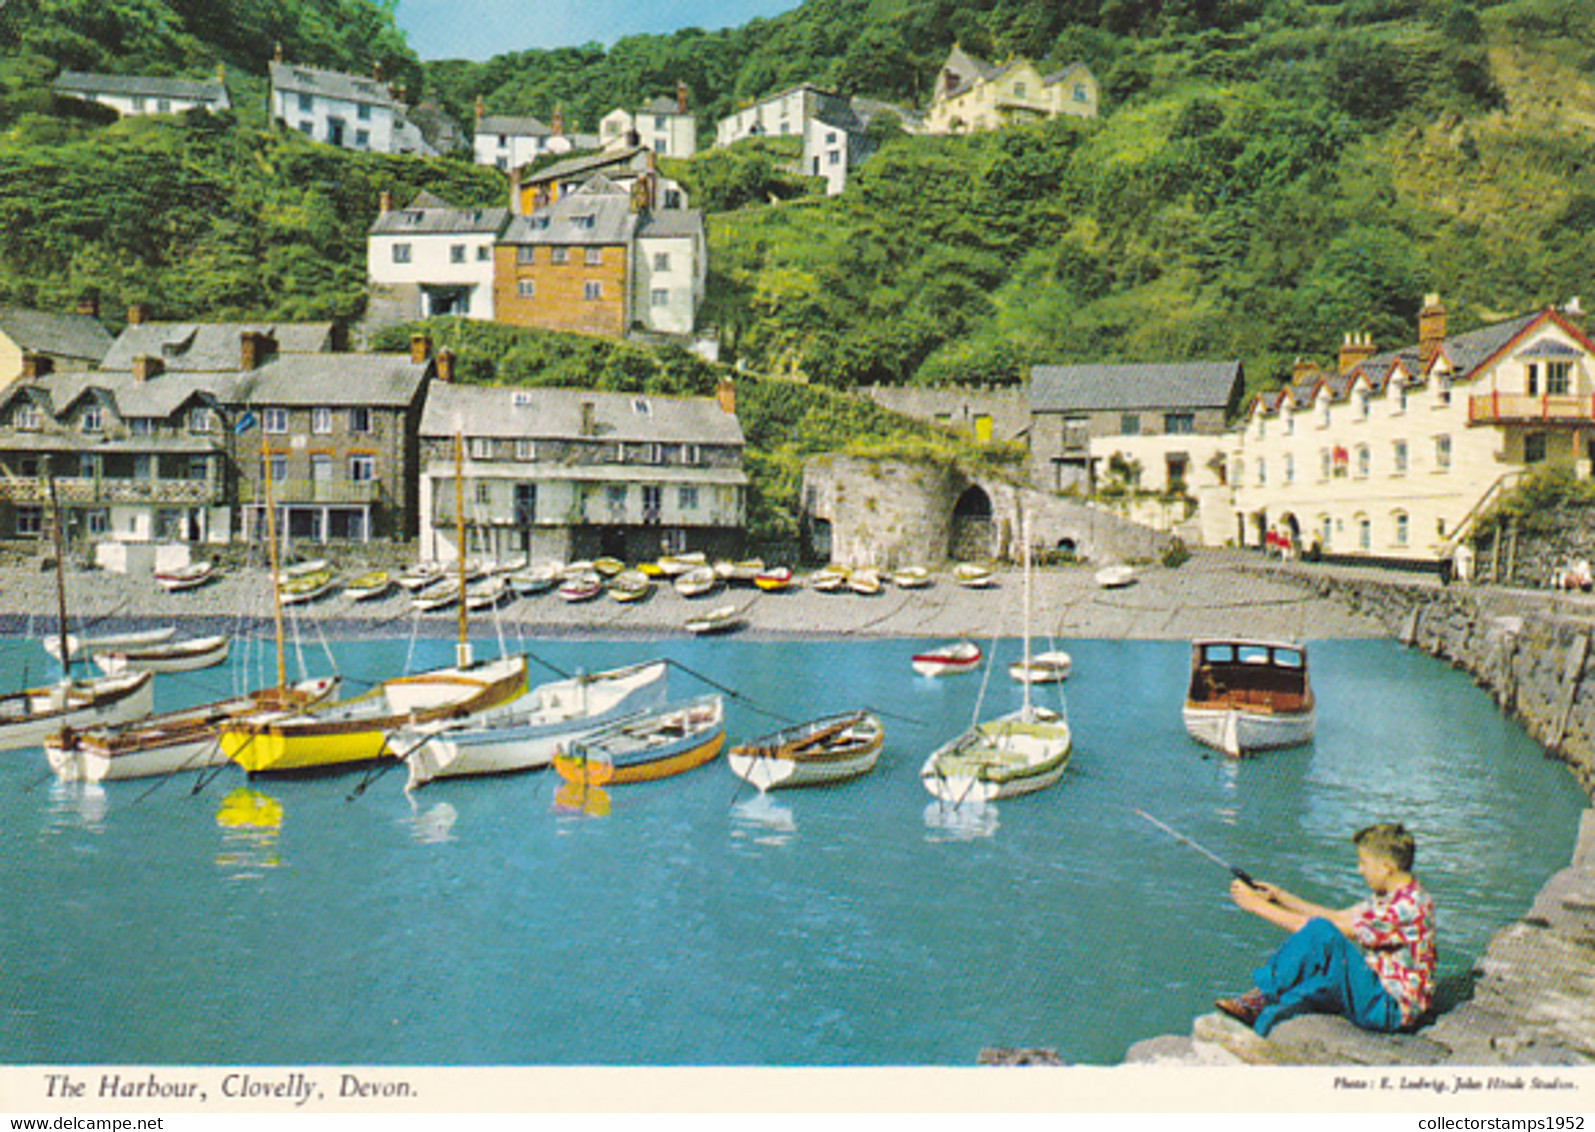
(1251, 897)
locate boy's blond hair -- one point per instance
(1389, 840)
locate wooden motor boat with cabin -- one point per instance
(1249, 695)
(822, 751)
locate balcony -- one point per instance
(1545, 409)
(84, 492)
(297, 491)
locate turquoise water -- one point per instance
(698, 924)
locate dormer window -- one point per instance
(201, 419)
(640, 406)
(27, 418)
(584, 222)
(93, 419)
(521, 399)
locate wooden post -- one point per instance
(1511, 552)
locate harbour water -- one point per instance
(693, 922)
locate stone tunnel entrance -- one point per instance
(970, 535)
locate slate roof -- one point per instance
(866, 110)
(661, 105)
(76, 336)
(1549, 348)
(556, 414)
(1162, 385)
(88, 83)
(612, 221)
(513, 127)
(671, 222)
(296, 79)
(158, 397)
(430, 215)
(1467, 352)
(588, 163)
(379, 380)
(211, 346)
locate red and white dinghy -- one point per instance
(962, 656)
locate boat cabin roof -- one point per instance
(1284, 654)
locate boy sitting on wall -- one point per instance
(1373, 962)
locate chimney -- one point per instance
(221, 72)
(558, 124)
(1431, 329)
(726, 394)
(481, 108)
(35, 366)
(137, 314)
(385, 202)
(445, 366)
(420, 348)
(255, 349)
(146, 367)
(89, 306)
(1356, 349)
(276, 54)
(1302, 369)
(376, 70)
(587, 419)
(515, 191)
(681, 97)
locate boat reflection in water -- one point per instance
(763, 821)
(582, 799)
(78, 805)
(433, 825)
(250, 822)
(968, 821)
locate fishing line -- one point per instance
(732, 692)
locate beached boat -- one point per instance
(722, 619)
(369, 586)
(578, 569)
(441, 594)
(306, 566)
(1016, 753)
(1043, 668)
(509, 564)
(524, 733)
(1249, 695)
(630, 585)
(1115, 577)
(171, 742)
(189, 577)
(673, 564)
(696, 582)
(307, 587)
(608, 567)
(419, 576)
(488, 593)
(742, 571)
(168, 656)
(961, 656)
(912, 578)
(822, 751)
(973, 575)
(537, 579)
(773, 579)
(85, 646)
(646, 747)
(582, 587)
(829, 580)
(866, 581)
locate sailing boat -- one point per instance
(1014, 754)
(28, 716)
(355, 731)
(190, 738)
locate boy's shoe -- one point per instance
(1244, 1009)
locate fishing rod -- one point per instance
(1240, 873)
(732, 692)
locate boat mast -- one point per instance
(60, 573)
(271, 549)
(1024, 535)
(462, 651)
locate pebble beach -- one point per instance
(1214, 594)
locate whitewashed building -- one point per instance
(670, 270)
(439, 258)
(142, 94)
(348, 111)
(665, 126)
(507, 143)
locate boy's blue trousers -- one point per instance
(1319, 971)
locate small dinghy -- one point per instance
(538, 579)
(583, 587)
(774, 579)
(961, 656)
(1115, 577)
(368, 586)
(647, 746)
(439, 595)
(489, 593)
(973, 576)
(912, 578)
(832, 749)
(169, 656)
(1044, 668)
(720, 620)
(302, 588)
(189, 577)
(830, 580)
(673, 565)
(87, 646)
(630, 585)
(420, 576)
(698, 581)
(867, 582)
(608, 567)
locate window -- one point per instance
(1323, 414)
(659, 297)
(321, 420)
(1262, 428)
(1326, 529)
(363, 112)
(484, 494)
(362, 139)
(1398, 458)
(320, 467)
(307, 104)
(360, 419)
(1290, 422)
(144, 467)
(483, 254)
(163, 106)
(1262, 472)
(1556, 378)
(308, 129)
(274, 420)
(1129, 424)
(401, 253)
(1290, 468)
(525, 449)
(661, 261)
(652, 502)
(1364, 533)
(615, 499)
(834, 157)
(93, 419)
(27, 418)
(99, 521)
(1534, 448)
(481, 448)
(1442, 392)
(200, 419)
(595, 256)
(525, 504)
(1531, 379)
(592, 290)
(1179, 424)
(1442, 453)
(584, 222)
(277, 465)
(673, 198)
(1362, 404)
(526, 289)
(1324, 465)
(1364, 461)
(362, 469)
(141, 426)
(89, 467)
(641, 407)
(525, 255)
(558, 255)
(456, 253)
(1080, 93)
(1401, 398)
(659, 122)
(139, 104)
(1401, 525)
(1018, 90)
(691, 454)
(687, 497)
(30, 520)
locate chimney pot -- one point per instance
(277, 52)
(420, 348)
(1431, 328)
(137, 314)
(558, 123)
(481, 108)
(681, 97)
(385, 202)
(1356, 349)
(445, 365)
(726, 393)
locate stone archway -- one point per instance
(971, 530)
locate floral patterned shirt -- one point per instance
(1396, 934)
